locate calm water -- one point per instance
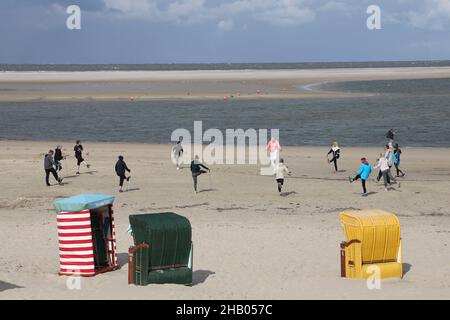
(418, 109)
(219, 66)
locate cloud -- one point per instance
(274, 12)
(225, 25)
(134, 8)
(434, 14)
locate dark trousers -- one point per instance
(195, 176)
(280, 183)
(47, 175)
(363, 182)
(122, 178)
(397, 167)
(58, 165)
(334, 160)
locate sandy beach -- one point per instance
(193, 85)
(250, 242)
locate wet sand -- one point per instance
(193, 85)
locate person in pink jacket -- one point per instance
(274, 148)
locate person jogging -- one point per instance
(273, 146)
(363, 173)
(336, 152)
(78, 149)
(177, 152)
(49, 166)
(397, 159)
(196, 169)
(383, 165)
(58, 158)
(121, 169)
(279, 170)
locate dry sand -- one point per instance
(250, 243)
(192, 85)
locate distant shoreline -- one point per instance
(218, 66)
(194, 85)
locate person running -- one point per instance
(78, 154)
(390, 135)
(49, 166)
(383, 165)
(279, 170)
(336, 152)
(363, 173)
(121, 169)
(58, 158)
(196, 169)
(389, 156)
(273, 146)
(397, 156)
(178, 151)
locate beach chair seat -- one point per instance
(372, 246)
(163, 249)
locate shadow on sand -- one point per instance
(8, 286)
(200, 276)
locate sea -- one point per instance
(419, 110)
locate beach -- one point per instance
(194, 85)
(250, 242)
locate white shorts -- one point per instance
(274, 156)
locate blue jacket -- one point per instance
(365, 170)
(397, 157)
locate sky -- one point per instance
(223, 31)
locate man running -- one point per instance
(280, 170)
(78, 154)
(178, 151)
(363, 173)
(121, 168)
(49, 166)
(196, 169)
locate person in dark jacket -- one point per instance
(336, 152)
(49, 166)
(78, 149)
(196, 169)
(58, 157)
(121, 169)
(390, 135)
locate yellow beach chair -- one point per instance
(373, 244)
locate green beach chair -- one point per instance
(163, 249)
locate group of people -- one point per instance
(53, 162)
(390, 158)
(387, 160)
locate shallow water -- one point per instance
(418, 109)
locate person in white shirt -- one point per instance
(279, 171)
(383, 165)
